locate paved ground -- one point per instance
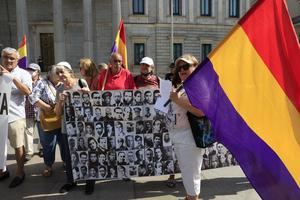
(220, 184)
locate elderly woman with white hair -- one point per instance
(43, 97)
(69, 82)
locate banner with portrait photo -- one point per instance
(118, 134)
(5, 85)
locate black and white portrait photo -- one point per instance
(88, 114)
(70, 114)
(128, 98)
(98, 114)
(96, 98)
(99, 129)
(79, 114)
(117, 98)
(76, 99)
(148, 97)
(71, 129)
(106, 98)
(86, 101)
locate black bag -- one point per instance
(202, 130)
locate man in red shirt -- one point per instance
(116, 77)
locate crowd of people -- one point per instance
(49, 94)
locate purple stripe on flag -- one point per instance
(114, 48)
(23, 62)
(264, 169)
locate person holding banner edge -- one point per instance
(69, 82)
(21, 86)
(116, 77)
(189, 156)
(147, 79)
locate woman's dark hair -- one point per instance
(90, 139)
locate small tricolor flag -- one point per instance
(23, 53)
(119, 45)
(249, 87)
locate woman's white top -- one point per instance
(178, 125)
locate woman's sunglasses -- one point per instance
(185, 66)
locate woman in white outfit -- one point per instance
(189, 156)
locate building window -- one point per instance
(234, 8)
(206, 49)
(205, 7)
(139, 52)
(138, 7)
(177, 50)
(176, 7)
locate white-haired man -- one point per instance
(21, 86)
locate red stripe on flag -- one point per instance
(122, 32)
(271, 32)
(23, 42)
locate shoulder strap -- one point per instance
(51, 89)
(104, 81)
(158, 80)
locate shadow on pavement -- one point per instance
(38, 187)
(210, 188)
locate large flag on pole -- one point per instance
(119, 45)
(249, 87)
(23, 53)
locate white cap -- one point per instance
(147, 61)
(34, 67)
(65, 64)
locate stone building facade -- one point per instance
(71, 29)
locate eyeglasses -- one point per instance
(117, 61)
(184, 67)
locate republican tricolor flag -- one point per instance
(23, 53)
(249, 87)
(119, 45)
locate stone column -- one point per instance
(191, 11)
(220, 12)
(88, 43)
(22, 23)
(59, 32)
(116, 16)
(160, 10)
